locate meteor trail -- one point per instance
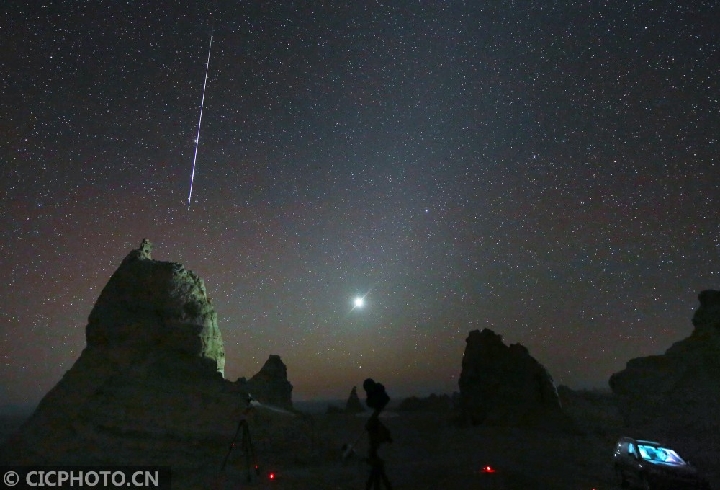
(202, 103)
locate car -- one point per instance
(650, 465)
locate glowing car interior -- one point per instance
(658, 454)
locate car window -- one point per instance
(647, 452)
(673, 457)
(660, 454)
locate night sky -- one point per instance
(548, 170)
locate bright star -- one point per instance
(358, 302)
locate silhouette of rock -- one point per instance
(707, 316)
(354, 405)
(270, 385)
(148, 387)
(676, 396)
(505, 385)
(432, 403)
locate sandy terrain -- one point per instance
(428, 452)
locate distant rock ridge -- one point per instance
(676, 395)
(431, 403)
(148, 388)
(505, 385)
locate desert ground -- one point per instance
(428, 452)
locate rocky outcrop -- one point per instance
(505, 385)
(676, 396)
(353, 404)
(153, 312)
(270, 385)
(148, 387)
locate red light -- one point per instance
(272, 476)
(487, 469)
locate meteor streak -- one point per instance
(202, 104)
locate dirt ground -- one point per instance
(429, 453)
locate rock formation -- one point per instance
(504, 385)
(433, 403)
(270, 385)
(354, 405)
(154, 313)
(148, 387)
(676, 396)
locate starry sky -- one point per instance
(546, 169)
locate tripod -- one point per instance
(247, 448)
(378, 434)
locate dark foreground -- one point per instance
(427, 453)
